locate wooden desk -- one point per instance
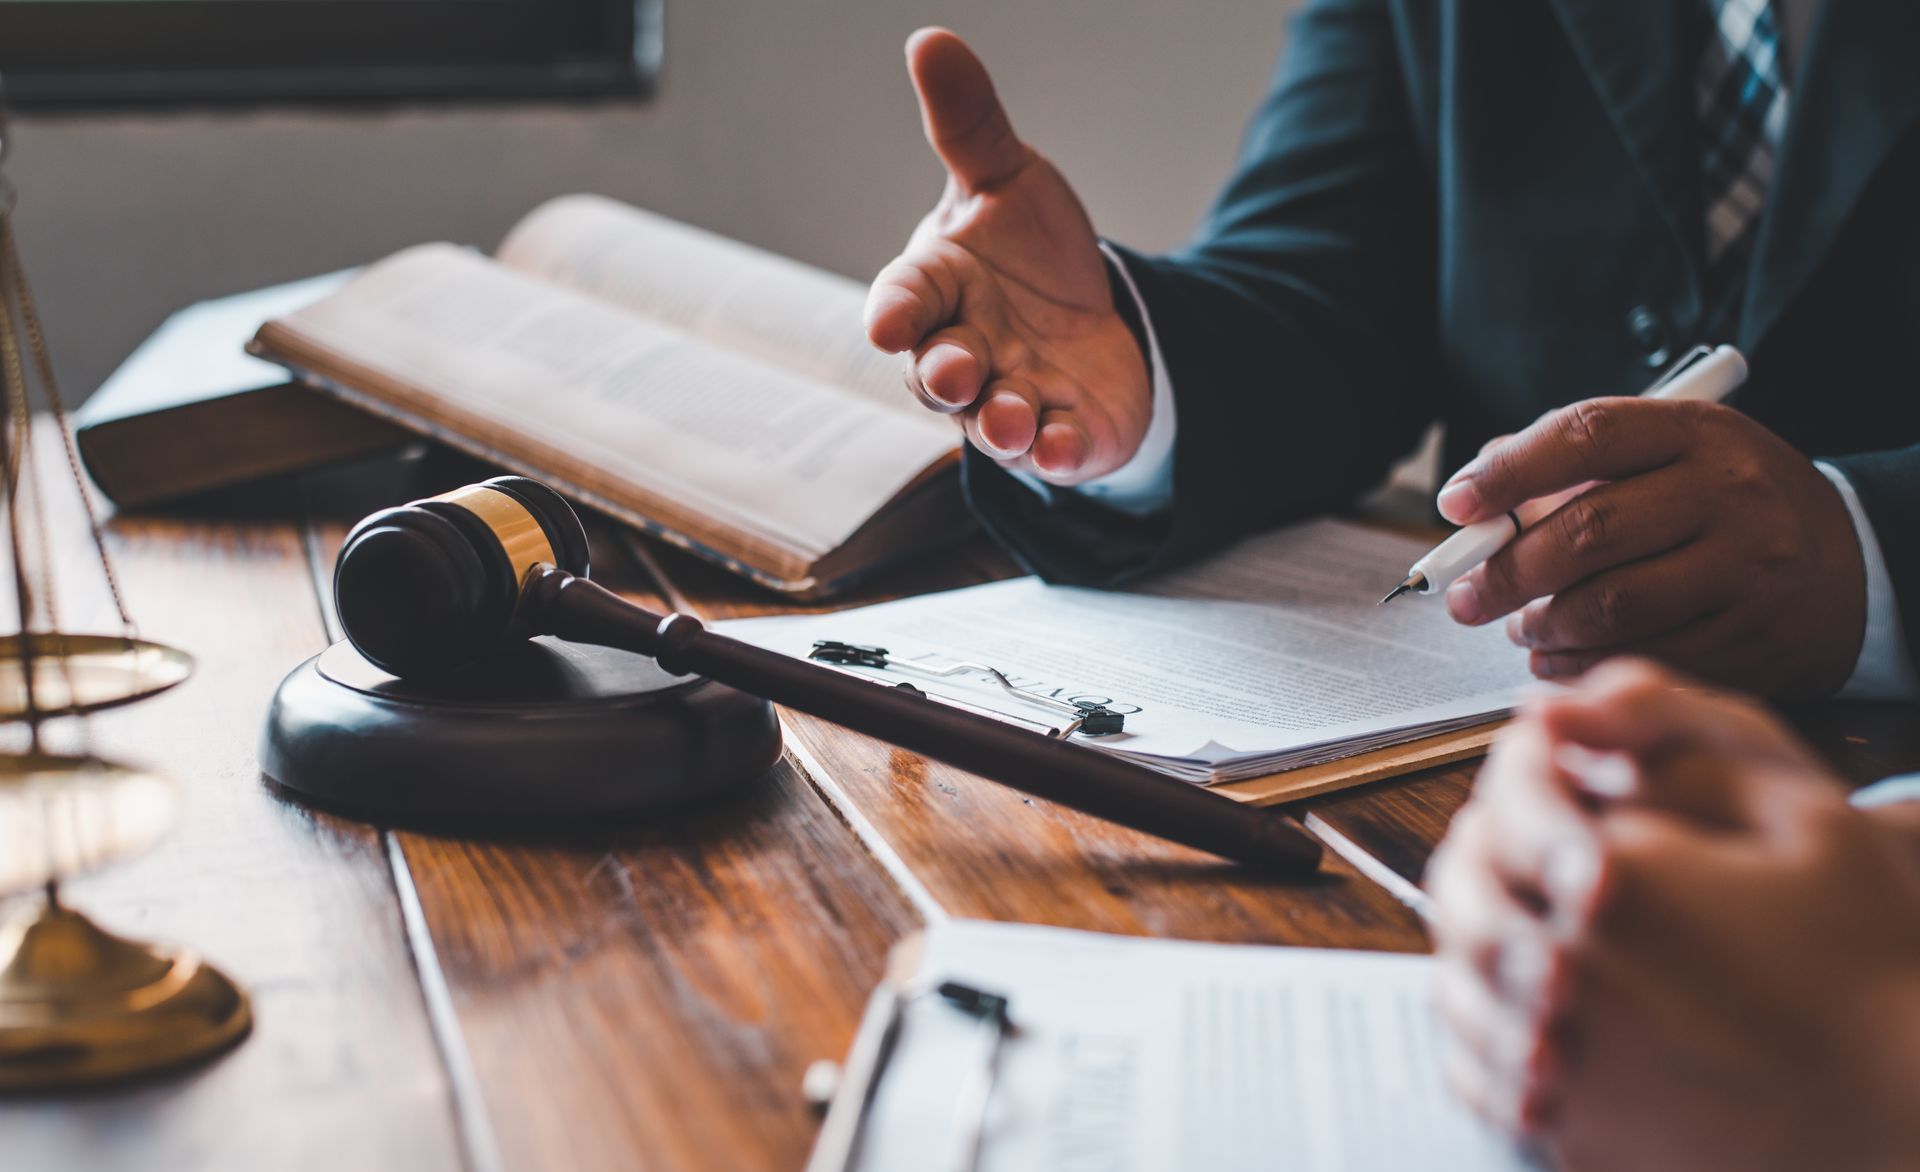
(623, 997)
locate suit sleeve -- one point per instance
(1294, 328)
(1888, 484)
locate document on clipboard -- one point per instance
(1128, 1055)
(1271, 657)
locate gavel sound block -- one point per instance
(528, 731)
(436, 591)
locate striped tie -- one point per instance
(1743, 113)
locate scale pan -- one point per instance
(62, 815)
(73, 674)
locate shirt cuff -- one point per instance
(1889, 792)
(1884, 671)
(1143, 485)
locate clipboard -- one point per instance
(837, 1147)
(1085, 721)
(1308, 781)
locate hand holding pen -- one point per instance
(1704, 541)
(1705, 375)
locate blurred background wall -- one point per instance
(789, 125)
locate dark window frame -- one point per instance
(69, 54)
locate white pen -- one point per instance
(1704, 375)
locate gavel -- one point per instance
(429, 588)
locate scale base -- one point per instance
(80, 1006)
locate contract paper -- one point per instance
(1132, 1055)
(1271, 656)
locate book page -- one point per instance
(561, 380)
(1135, 1055)
(1267, 652)
(733, 294)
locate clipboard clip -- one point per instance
(848, 1094)
(1083, 716)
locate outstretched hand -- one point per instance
(1002, 297)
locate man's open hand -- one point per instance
(1002, 296)
(1711, 544)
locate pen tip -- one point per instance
(1413, 582)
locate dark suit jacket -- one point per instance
(1476, 210)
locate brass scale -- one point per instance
(78, 1005)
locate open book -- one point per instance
(1268, 671)
(719, 396)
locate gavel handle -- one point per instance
(1093, 782)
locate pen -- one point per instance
(1704, 375)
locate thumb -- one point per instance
(965, 123)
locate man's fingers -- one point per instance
(911, 297)
(951, 367)
(1598, 439)
(1640, 732)
(1633, 706)
(1061, 447)
(1479, 921)
(1494, 1054)
(1537, 837)
(1716, 643)
(964, 120)
(1635, 603)
(1607, 526)
(1007, 420)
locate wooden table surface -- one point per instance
(620, 997)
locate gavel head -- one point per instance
(435, 585)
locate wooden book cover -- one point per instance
(190, 411)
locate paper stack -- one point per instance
(1267, 658)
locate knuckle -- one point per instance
(1590, 427)
(1610, 606)
(1499, 582)
(897, 271)
(1587, 529)
(1777, 550)
(1748, 479)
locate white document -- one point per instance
(1267, 657)
(1133, 1055)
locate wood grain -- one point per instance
(639, 996)
(341, 1070)
(649, 996)
(983, 851)
(1399, 822)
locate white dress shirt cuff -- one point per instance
(1143, 485)
(1889, 792)
(1885, 669)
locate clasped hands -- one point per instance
(1705, 541)
(1667, 941)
